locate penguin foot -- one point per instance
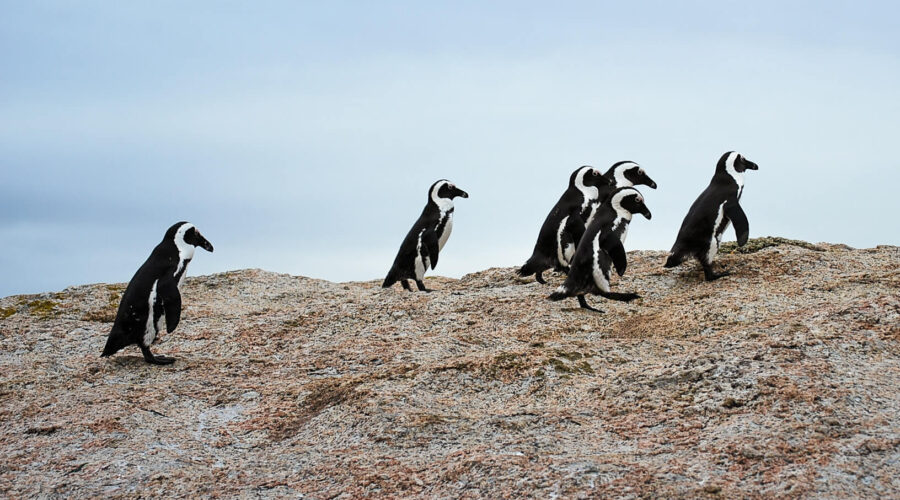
(156, 359)
(421, 287)
(711, 276)
(584, 305)
(406, 285)
(162, 360)
(539, 277)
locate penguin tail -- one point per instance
(114, 343)
(530, 267)
(674, 260)
(390, 279)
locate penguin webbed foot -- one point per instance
(156, 359)
(711, 275)
(406, 285)
(421, 286)
(159, 359)
(539, 277)
(584, 305)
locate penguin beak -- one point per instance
(461, 193)
(646, 213)
(206, 245)
(650, 183)
(749, 165)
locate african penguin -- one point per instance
(153, 294)
(621, 174)
(564, 224)
(426, 239)
(709, 216)
(601, 248)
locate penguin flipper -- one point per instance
(737, 217)
(171, 298)
(430, 240)
(616, 252)
(576, 226)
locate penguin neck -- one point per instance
(588, 193)
(733, 173)
(621, 212)
(185, 249)
(443, 205)
(620, 179)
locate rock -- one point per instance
(780, 380)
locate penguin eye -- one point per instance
(595, 173)
(640, 171)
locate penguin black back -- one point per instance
(427, 237)
(601, 248)
(711, 213)
(152, 296)
(554, 239)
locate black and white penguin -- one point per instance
(621, 174)
(426, 239)
(709, 216)
(153, 294)
(563, 226)
(601, 248)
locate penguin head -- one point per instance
(587, 178)
(629, 173)
(630, 200)
(184, 233)
(736, 161)
(442, 192)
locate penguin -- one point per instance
(621, 174)
(153, 294)
(719, 204)
(426, 239)
(601, 248)
(562, 229)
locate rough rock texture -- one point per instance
(781, 380)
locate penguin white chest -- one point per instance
(718, 229)
(448, 228)
(422, 262)
(152, 326)
(183, 267)
(601, 276)
(564, 250)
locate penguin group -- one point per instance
(583, 237)
(590, 247)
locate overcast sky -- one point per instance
(301, 137)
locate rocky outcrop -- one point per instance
(781, 380)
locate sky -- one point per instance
(301, 137)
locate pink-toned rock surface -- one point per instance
(781, 380)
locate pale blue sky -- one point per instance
(301, 137)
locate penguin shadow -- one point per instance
(553, 279)
(605, 307)
(693, 274)
(132, 362)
